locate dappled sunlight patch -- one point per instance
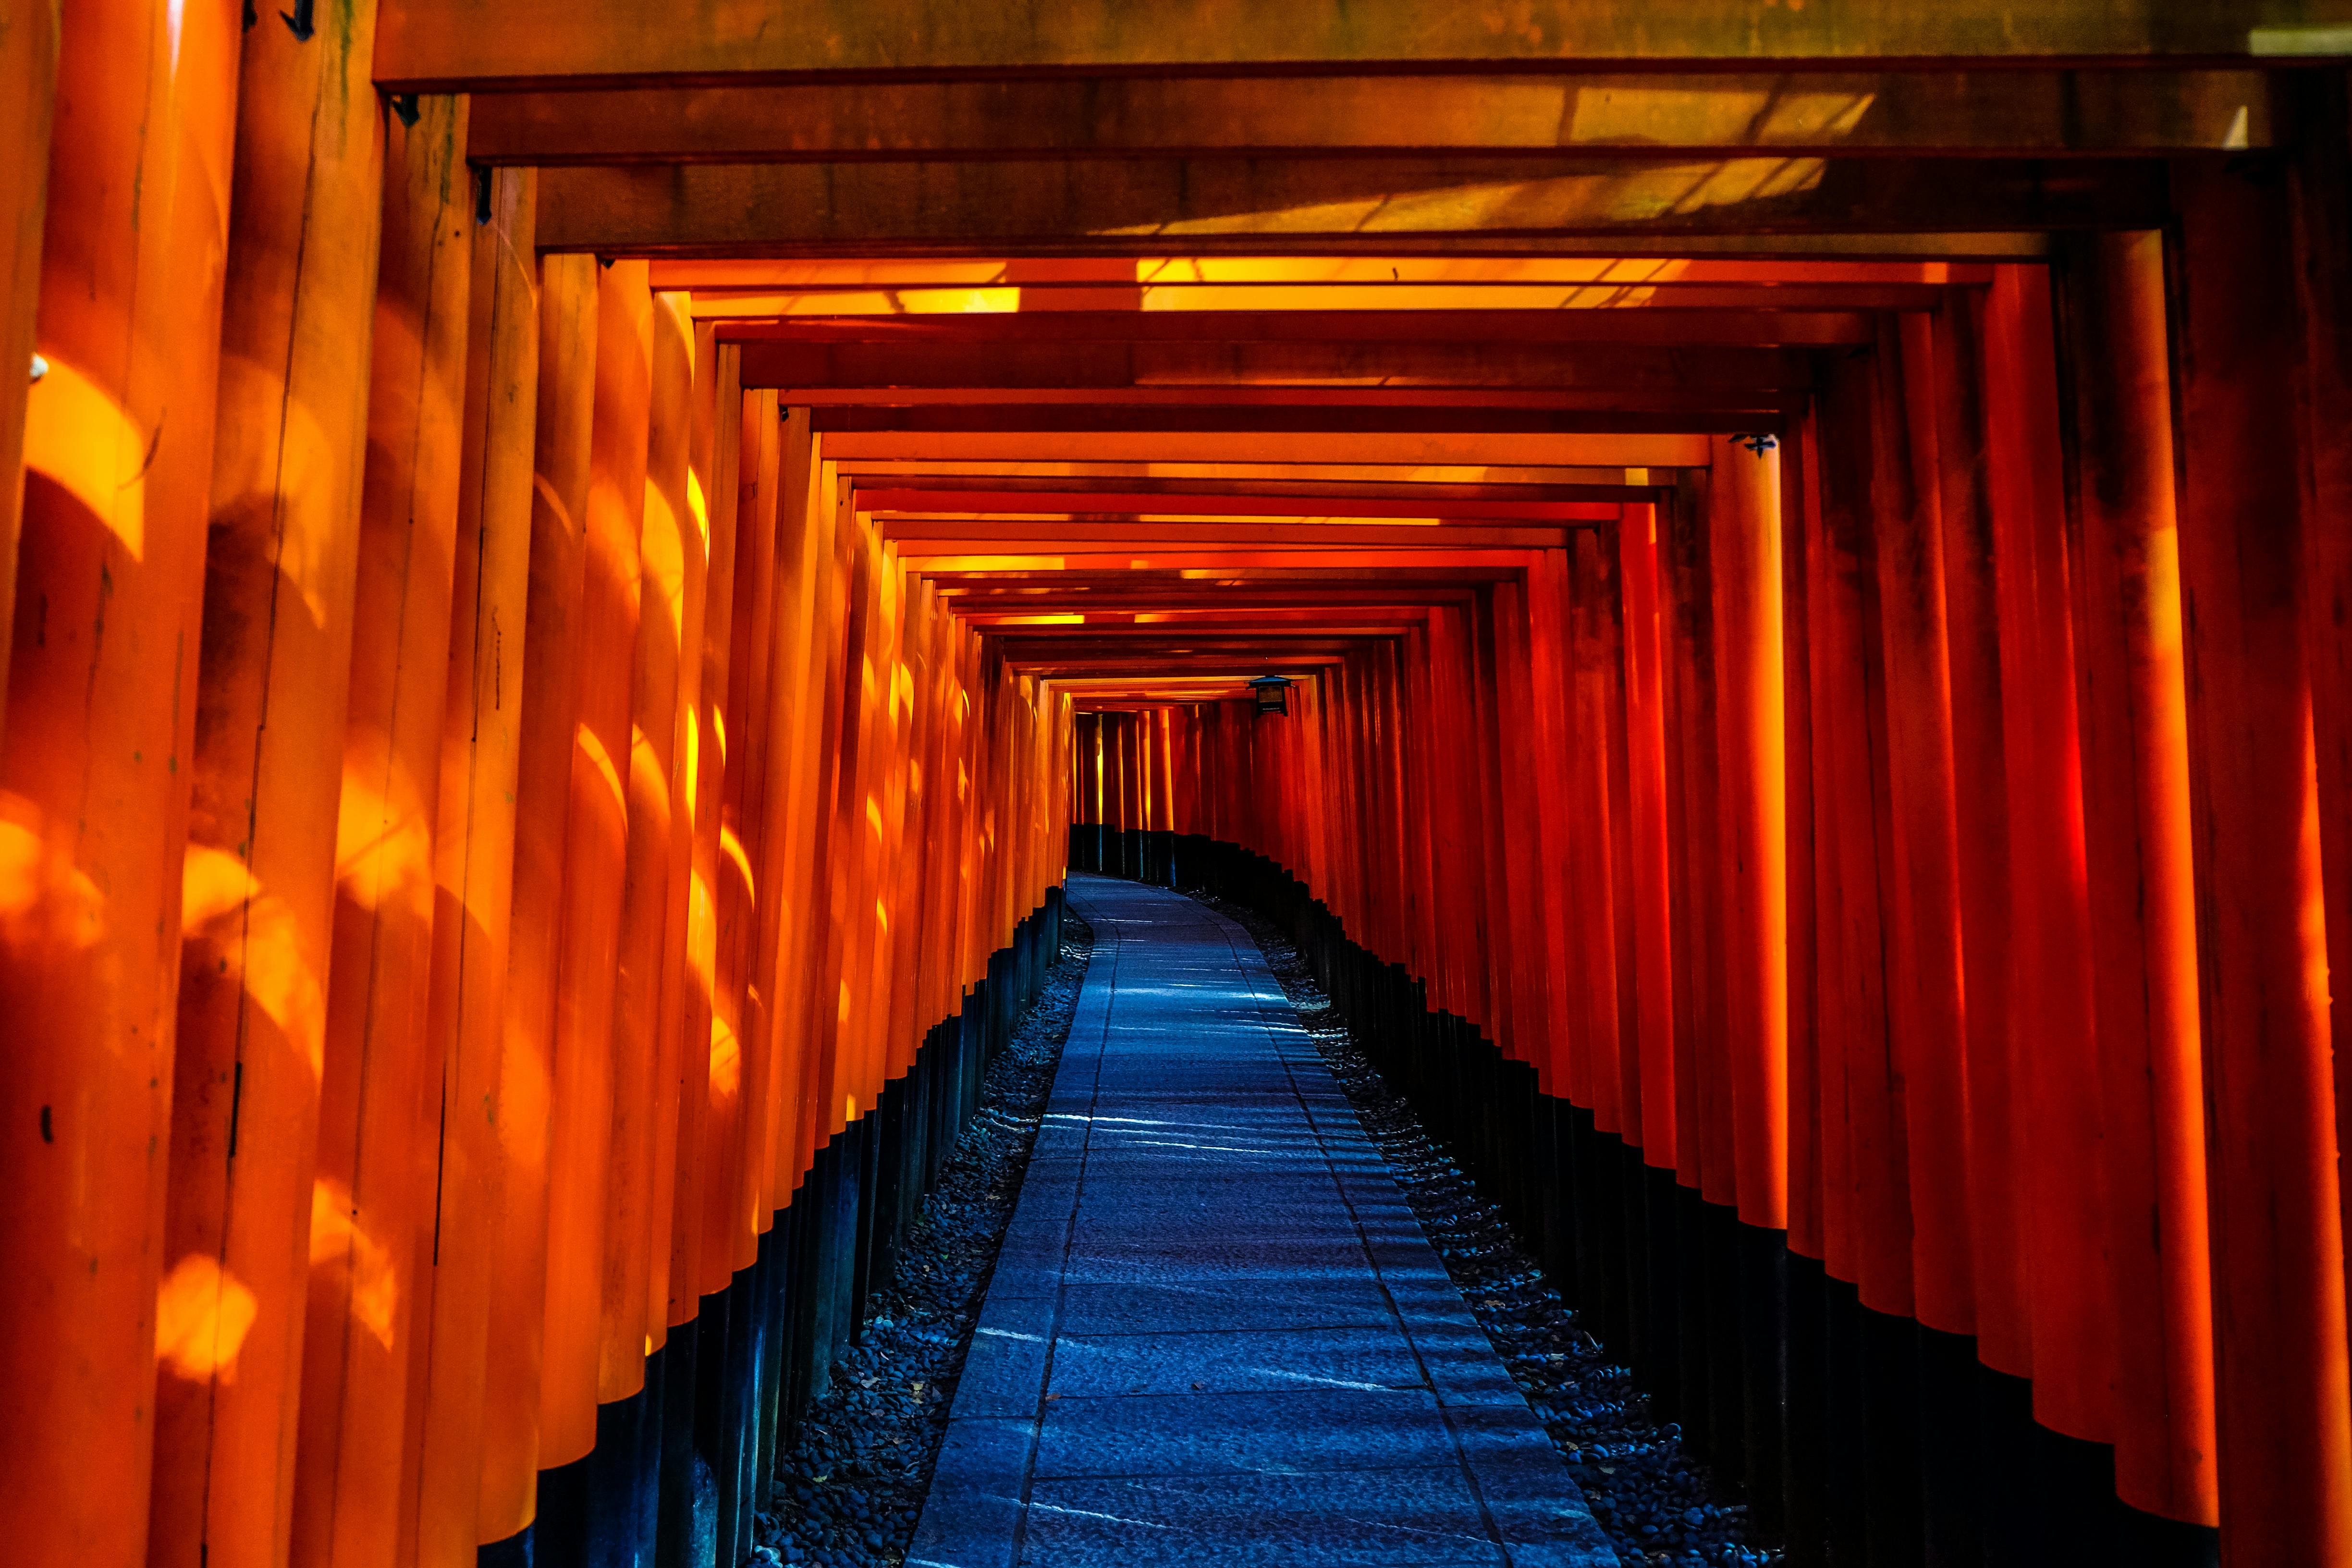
(45, 902)
(383, 850)
(339, 1243)
(202, 1313)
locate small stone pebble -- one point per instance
(1651, 1498)
(850, 1482)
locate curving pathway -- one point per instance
(1215, 1333)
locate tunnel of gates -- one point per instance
(576, 574)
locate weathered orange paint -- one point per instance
(371, 1221)
(280, 574)
(94, 778)
(563, 415)
(2283, 1388)
(466, 1454)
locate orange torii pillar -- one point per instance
(469, 1473)
(94, 793)
(2284, 1406)
(272, 687)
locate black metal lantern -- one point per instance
(1273, 693)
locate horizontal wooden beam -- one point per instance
(1206, 331)
(882, 315)
(1361, 498)
(1384, 621)
(795, 367)
(1146, 537)
(917, 511)
(1233, 476)
(2040, 114)
(1138, 281)
(1347, 203)
(1729, 416)
(449, 45)
(1698, 395)
(981, 597)
(1416, 450)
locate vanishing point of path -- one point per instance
(1216, 1335)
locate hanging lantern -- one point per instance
(1273, 693)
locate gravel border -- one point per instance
(1653, 1500)
(851, 1485)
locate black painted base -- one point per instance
(1855, 1437)
(680, 1468)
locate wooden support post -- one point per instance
(730, 1234)
(717, 467)
(1594, 827)
(1645, 744)
(468, 1450)
(1743, 533)
(2120, 1353)
(28, 90)
(829, 662)
(1866, 1224)
(372, 1215)
(1801, 1174)
(577, 1374)
(280, 581)
(553, 636)
(1694, 807)
(2284, 1407)
(795, 711)
(806, 657)
(1926, 1000)
(680, 451)
(94, 776)
(1982, 806)
(642, 1087)
(2322, 241)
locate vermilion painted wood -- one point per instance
(94, 780)
(2323, 240)
(470, 1469)
(1800, 543)
(2046, 991)
(634, 1186)
(2145, 1093)
(28, 68)
(902, 862)
(680, 466)
(576, 1373)
(2284, 1409)
(716, 468)
(801, 556)
(1645, 744)
(548, 723)
(281, 573)
(1703, 1142)
(1600, 580)
(805, 522)
(372, 1220)
(885, 735)
(1981, 826)
(1743, 543)
(819, 1071)
(735, 1076)
(1925, 998)
(1552, 773)
(1522, 858)
(1866, 1167)
(1594, 827)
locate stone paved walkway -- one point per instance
(1216, 1335)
